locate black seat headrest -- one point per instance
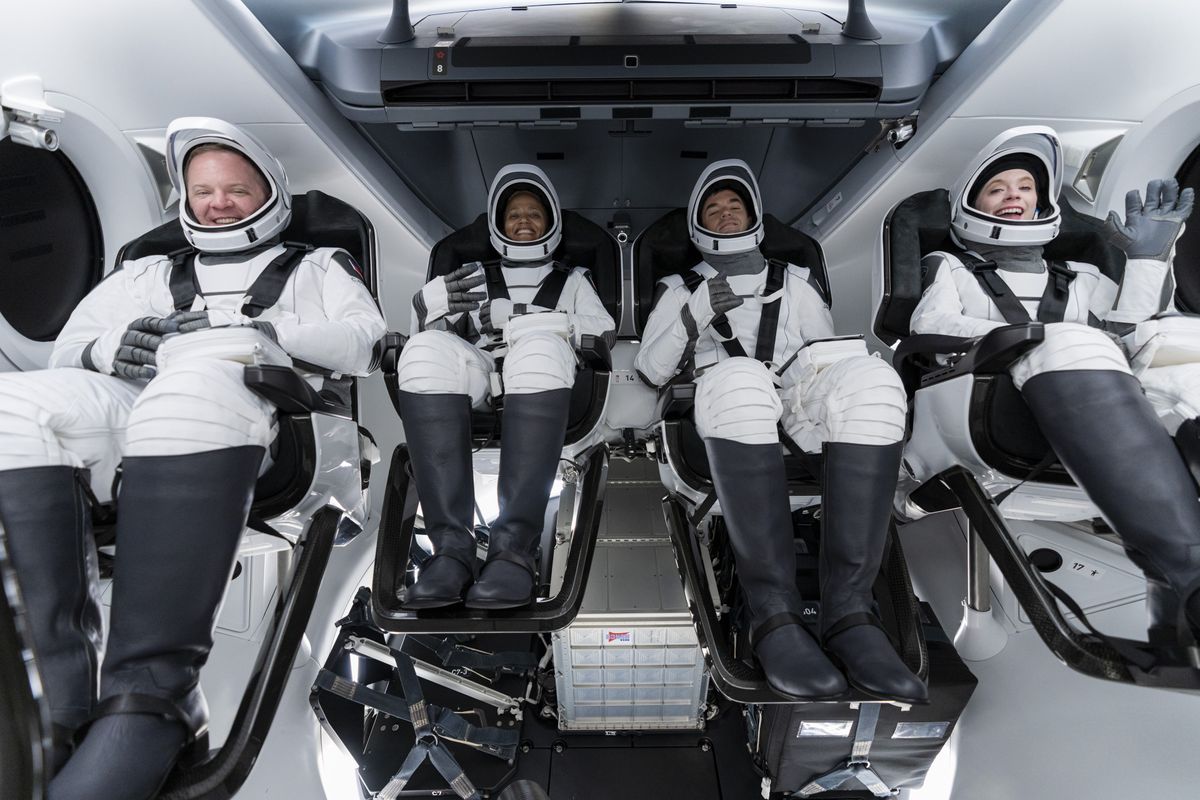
(665, 248)
(584, 244)
(920, 224)
(317, 219)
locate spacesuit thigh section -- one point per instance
(196, 406)
(737, 400)
(1070, 346)
(64, 417)
(857, 400)
(1174, 391)
(539, 361)
(439, 362)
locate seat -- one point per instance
(312, 497)
(569, 536)
(1005, 443)
(693, 514)
(975, 445)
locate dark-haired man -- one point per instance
(751, 332)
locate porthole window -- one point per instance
(51, 244)
(1187, 252)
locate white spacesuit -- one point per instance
(1079, 381)
(190, 440)
(757, 336)
(531, 312)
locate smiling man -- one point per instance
(754, 334)
(190, 440)
(532, 312)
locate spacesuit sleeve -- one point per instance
(588, 314)
(344, 340)
(100, 320)
(811, 313)
(670, 336)
(940, 310)
(1145, 290)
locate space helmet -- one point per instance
(511, 180)
(1035, 148)
(735, 175)
(271, 218)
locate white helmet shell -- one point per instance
(711, 243)
(508, 181)
(970, 225)
(187, 132)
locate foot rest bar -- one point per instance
(395, 542)
(223, 774)
(1079, 650)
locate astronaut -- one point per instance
(191, 441)
(831, 397)
(1079, 383)
(527, 319)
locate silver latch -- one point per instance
(26, 114)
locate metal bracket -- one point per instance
(383, 654)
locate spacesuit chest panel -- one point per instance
(255, 286)
(745, 321)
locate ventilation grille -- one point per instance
(592, 92)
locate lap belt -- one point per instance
(453, 655)
(262, 294)
(768, 321)
(1051, 308)
(430, 723)
(858, 766)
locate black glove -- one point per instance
(1150, 230)
(136, 355)
(191, 321)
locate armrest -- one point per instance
(676, 401)
(287, 390)
(390, 346)
(594, 352)
(992, 353)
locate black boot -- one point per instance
(752, 488)
(48, 523)
(856, 508)
(437, 428)
(179, 521)
(531, 442)
(1107, 435)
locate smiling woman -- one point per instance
(524, 217)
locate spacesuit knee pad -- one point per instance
(737, 400)
(197, 406)
(860, 400)
(438, 362)
(1070, 346)
(539, 361)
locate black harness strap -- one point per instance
(268, 287)
(1051, 308)
(497, 289)
(993, 285)
(1058, 290)
(768, 324)
(262, 294)
(547, 294)
(552, 287)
